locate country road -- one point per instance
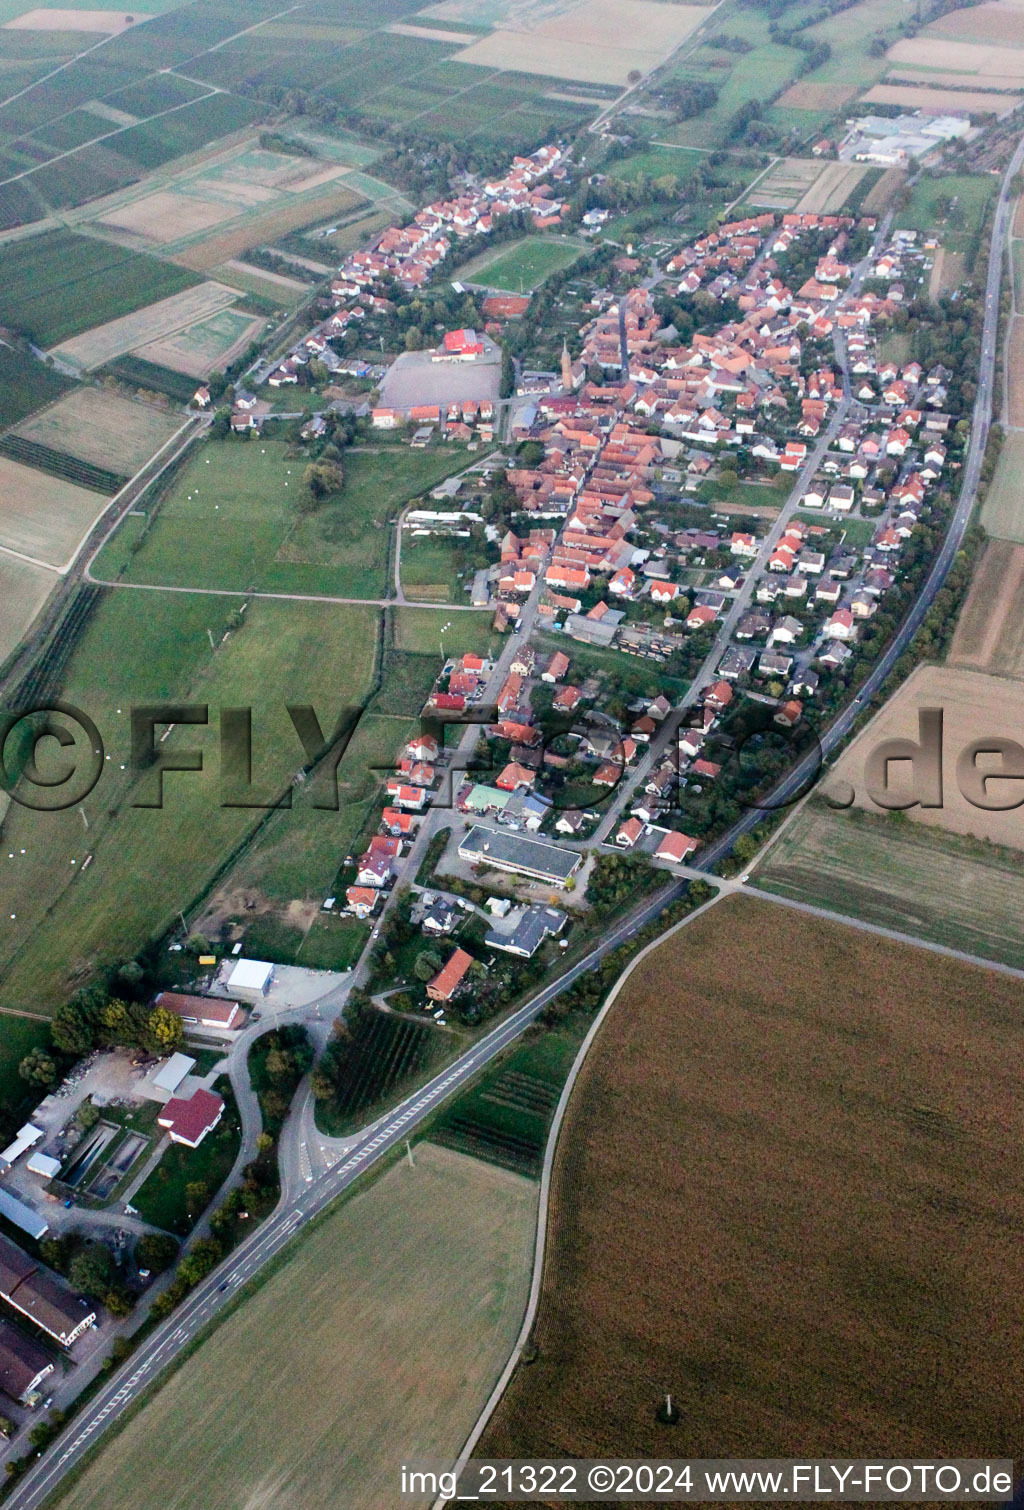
(162, 1347)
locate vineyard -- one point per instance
(384, 1053)
(46, 678)
(68, 468)
(149, 375)
(505, 1118)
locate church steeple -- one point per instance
(567, 382)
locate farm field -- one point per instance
(990, 631)
(752, 76)
(656, 162)
(999, 21)
(229, 521)
(130, 332)
(23, 591)
(982, 61)
(208, 346)
(412, 1329)
(523, 266)
(25, 384)
(143, 647)
(973, 705)
(417, 629)
(598, 41)
(110, 432)
(59, 283)
(1015, 377)
(740, 1107)
(917, 97)
(947, 888)
(833, 188)
(429, 570)
(41, 516)
(1002, 513)
(385, 1055)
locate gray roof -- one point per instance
(534, 857)
(535, 925)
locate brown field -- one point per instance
(994, 21)
(257, 229)
(597, 41)
(788, 182)
(974, 706)
(166, 216)
(876, 201)
(932, 77)
(102, 428)
(1002, 513)
(398, 1310)
(23, 591)
(1018, 219)
(833, 188)
(990, 632)
(105, 342)
(41, 516)
(107, 21)
(958, 57)
(804, 95)
(782, 1193)
(207, 347)
(911, 97)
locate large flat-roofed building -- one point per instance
(536, 858)
(42, 1297)
(23, 1365)
(20, 1215)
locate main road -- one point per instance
(161, 1348)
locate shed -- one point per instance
(44, 1164)
(173, 1073)
(251, 978)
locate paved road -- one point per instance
(397, 1125)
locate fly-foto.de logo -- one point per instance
(986, 772)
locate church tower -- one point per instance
(567, 382)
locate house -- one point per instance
(189, 1121)
(841, 626)
(566, 699)
(23, 1365)
(531, 927)
(675, 847)
(789, 714)
(362, 900)
(204, 1011)
(629, 833)
(439, 916)
(556, 668)
(448, 980)
(374, 870)
(699, 617)
(513, 777)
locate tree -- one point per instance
(204, 1255)
(426, 965)
(38, 1068)
(321, 479)
(118, 1301)
(156, 1251)
(197, 1195)
(634, 76)
(91, 1270)
(413, 339)
(165, 1031)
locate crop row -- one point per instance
(69, 468)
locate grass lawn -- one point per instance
(753, 76)
(407, 1329)
(18, 1037)
(431, 565)
(161, 1200)
(232, 521)
(1002, 513)
(149, 863)
(524, 265)
(971, 194)
(806, 1134)
(941, 886)
(420, 629)
(656, 162)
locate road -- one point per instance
(391, 1131)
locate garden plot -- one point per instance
(803, 95)
(206, 347)
(787, 184)
(43, 517)
(115, 433)
(151, 324)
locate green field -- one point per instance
(230, 522)
(161, 1199)
(1002, 513)
(406, 1330)
(18, 1036)
(430, 566)
(525, 265)
(143, 647)
(752, 76)
(420, 629)
(656, 162)
(25, 384)
(904, 875)
(58, 284)
(957, 227)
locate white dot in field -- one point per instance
(13, 916)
